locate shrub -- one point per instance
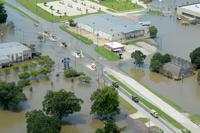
(69, 73)
(24, 75)
(23, 83)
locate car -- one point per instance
(154, 113)
(115, 84)
(135, 99)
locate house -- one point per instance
(13, 52)
(189, 11)
(114, 46)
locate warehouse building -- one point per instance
(13, 52)
(110, 27)
(189, 11)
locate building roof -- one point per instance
(11, 48)
(109, 24)
(173, 69)
(194, 7)
(114, 45)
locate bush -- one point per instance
(72, 23)
(195, 57)
(24, 75)
(46, 70)
(25, 66)
(70, 73)
(6, 71)
(15, 68)
(153, 31)
(23, 83)
(85, 79)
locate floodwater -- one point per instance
(173, 37)
(184, 93)
(81, 122)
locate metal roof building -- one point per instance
(13, 52)
(110, 27)
(189, 11)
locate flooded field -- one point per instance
(184, 93)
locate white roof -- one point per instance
(195, 7)
(4, 59)
(114, 45)
(11, 48)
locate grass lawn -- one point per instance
(195, 119)
(150, 105)
(155, 12)
(143, 119)
(77, 36)
(107, 54)
(127, 106)
(17, 9)
(120, 5)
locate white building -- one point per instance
(189, 11)
(114, 46)
(110, 27)
(13, 52)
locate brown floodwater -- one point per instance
(80, 122)
(184, 93)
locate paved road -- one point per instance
(141, 109)
(137, 87)
(45, 25)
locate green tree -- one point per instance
(46, 70)
(23, 83)
(72, 23)
(153, 31)
(195, 58)
(3, 14)
(139, 57)
(105, 102)
(40, 38)
(109, 127)
(34, 73)
(6, 71)
(24, 75)
(15, 68)
(165, 58)
(155, 65)
(10, 95)
(61, 103)
(38, 122)
(85, 79)
(70, 73)
(25, 66)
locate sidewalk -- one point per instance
(137, 87)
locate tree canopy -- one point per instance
(10, 95)
(139, 57)
(195, 57)
(38, 122)
(158, 60)
(153, 31)
(61, 103)
(109, 127)
(3, 14)
(105, 102)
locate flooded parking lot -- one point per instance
(81, 122)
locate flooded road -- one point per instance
(81, 122)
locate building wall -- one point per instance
(181, 11)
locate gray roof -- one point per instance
(11, 48)
(173, 69)
(109, 24)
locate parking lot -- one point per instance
(70, 7)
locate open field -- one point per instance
(77, 36)
(120, 5)
(106, 53)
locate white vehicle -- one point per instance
(154, 113)
(92, 66)
(78, 54)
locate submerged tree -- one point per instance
(38, 122)
(153, 31)
(105, 102)
(10, 95)
(61, 103)
(139, 57)
(3, 14)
